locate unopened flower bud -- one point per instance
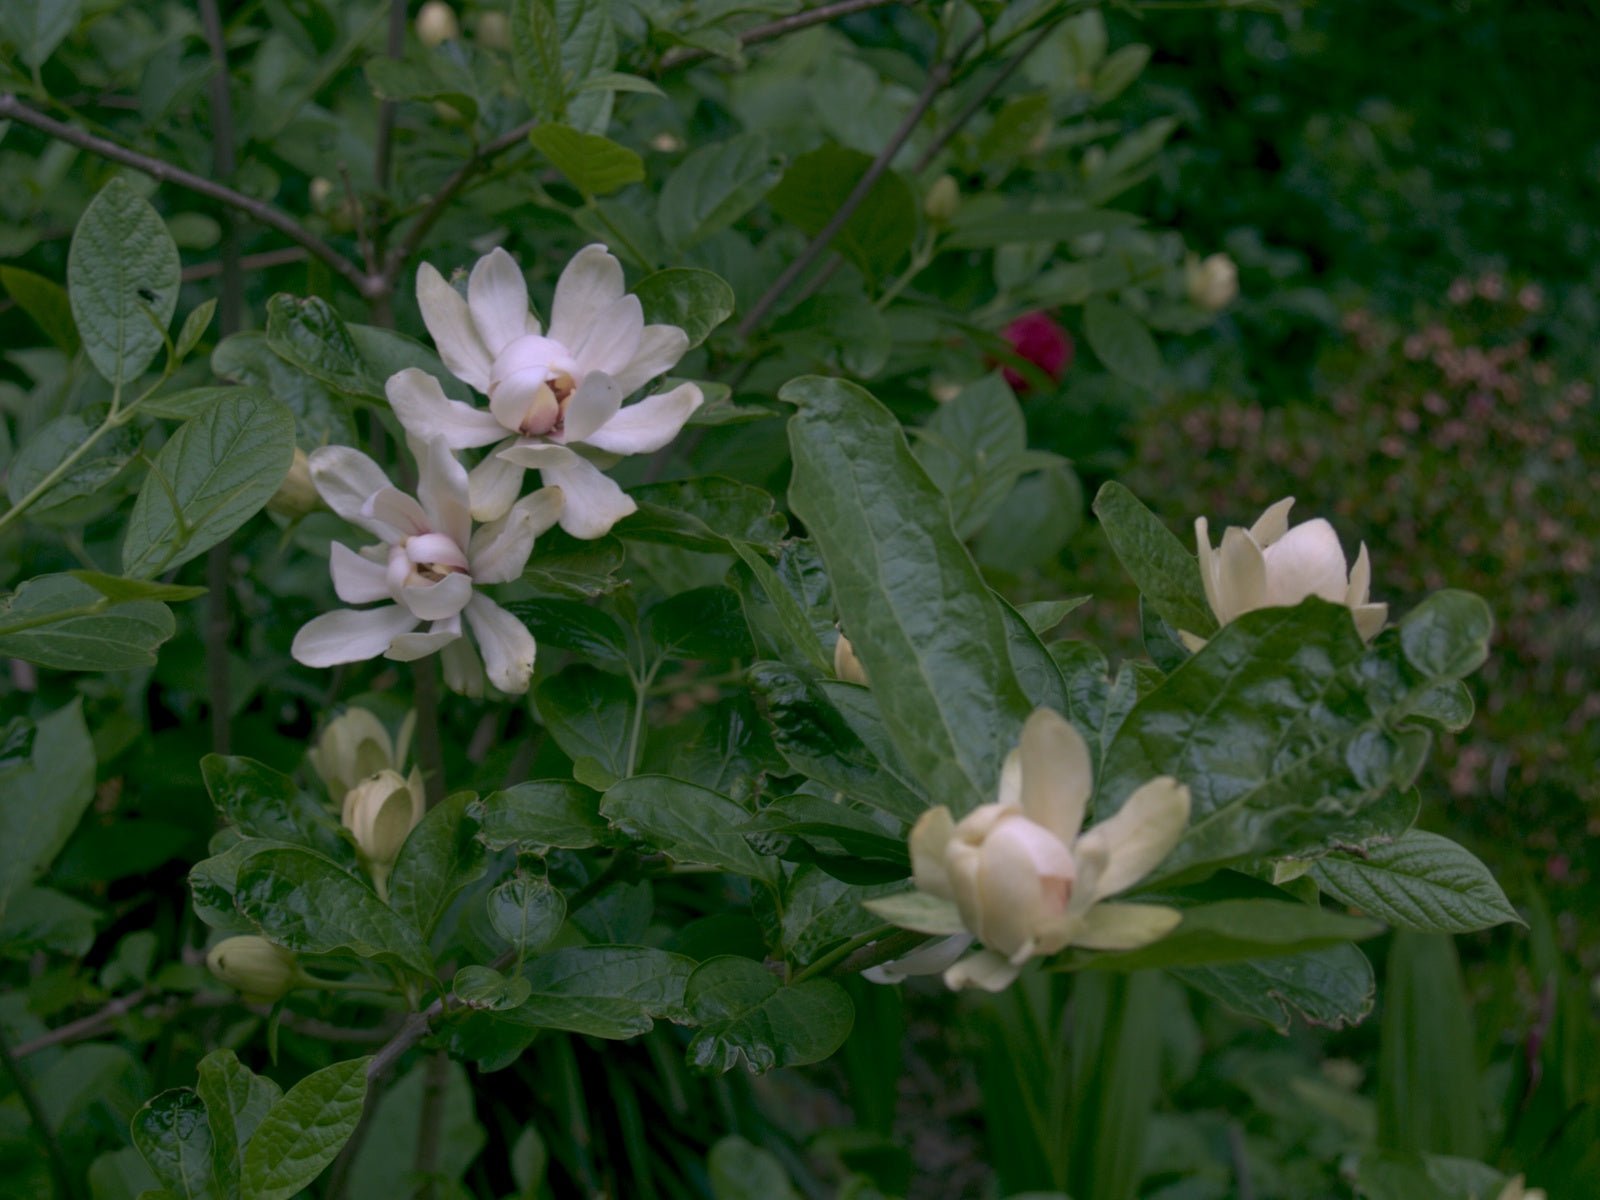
(943, 200)
(437, 24)
(296, 495)
(257, 969)
(354, 746)
(846, 665)
(380, 812)
(321, 192)
(494, 31)
(1212, 282)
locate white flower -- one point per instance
(1211, 282)
(1019, 876)
(1517, 1189)
(429, 564)
(548, 391)
(1270, 565)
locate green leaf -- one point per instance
(820, 911)
(714, 186)
(87, 489)
(742, 1171)
(923, 622)
(589, 713)
(1043, 616)
(849, 843)
(566, 566)
(172, 1133)
(386, 1154)
(122, 279)
(982, 228)
(588, 49)
(45, 301)
(214, 881)
(193, 329)
(484, 987)
(880, 231)
(1120, 69)
(573, 626)
(1423, 882)
(1167, 575)
(593, 164)
(304, 1131)
(702, 623)
(541, 814)
(691, 824)
(42, 801)
(1034, 522)
(57, 621)
(1122, 343)
(708, 514)
(264, 803)
(37, 27)
(777, 616)
(305, 903)
(308, 334)
(527, 912)
(1333, 987)
(440, 857)
(214, 474)
(693, 300)
(536, 58)
(604, 991)
(1290, 732)
(118, 589)
(745, 1013)
(236, 1099)
(38, 919)
(322, 416)
(972, 448)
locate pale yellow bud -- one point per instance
(943, 200)
(1212, 282)
(297, 494)
(321, 192)
(494, 31)
(356, 745)
(845, 663)
(380, 812)
(253, 966)
(437, 24)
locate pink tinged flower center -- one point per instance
(1050, 858)
(530, 383)
(425, 558)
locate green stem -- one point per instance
(836, 956)
(641, 694)
(60, 470)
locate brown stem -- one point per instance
(273, 218)
(250, 262)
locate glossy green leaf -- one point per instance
(1167, 575)
(923, 622)
(540, 814)
(236, 1099)
(122, 279)
(565, 566)
(308, 334)
(214, 882)
(573, 626)
(593, 164)
(1422, 881)
(528, 912)
(173, 1134)
(322, 415)
(214, 474)
(701, 623)
(117, 588)
(714, 186)
(1034, 522)
(441, 856)
(695, 301)
(1122, 343)
(829, 829)
(484, 987)
(604, 991)
(690, 824)
(536, 58)
(880, 231)
(589, 713)
(42, 800)
(44, 300)
(264, 803)
(85, 490)
(781, 621)
(60, 622)
(304, 1131)
(746, 1014)
(305, 903)
(1333, 987)
(820, 911)
(972, 449)
(704, 514)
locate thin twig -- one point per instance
(84, 1027)
(937, 78)
(789, 24)
(435, 1076)
(386, 109)
(13, 109)
(66, 1185)
(250, 262)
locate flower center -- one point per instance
(427, 558)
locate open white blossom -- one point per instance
(1271, 565)
(1020, 876)
(429, 564)
(555, 397)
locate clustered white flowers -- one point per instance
(554, 405)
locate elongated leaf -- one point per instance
(305, 903)
(440, 857)
(173, 1134)
(972, 448)
(604, 991)
(87, 488)
(691, 824)
(777, 616)
(924, 624)
(540, 814)
(1121, 342)
(60, 622)
(122, 278)
(695, 301)
(303, 1132)
(42, 800)
(714, 186)
(119, 589)
(236, 1099)
(321, 414)
(266, 804)
(43, 299)
(536, 58)
(573, 626)
(1423, 882)
(1167, 575)
(593, 164)
(215, 473)
(1333, 986)
(385, 1160)
(746, 1014)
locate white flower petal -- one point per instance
(650, 424)
(442, 489)
(535, 455)
(594, 403)
(1125, 926)
(1136, 839)
(1241, 576)
(1360, 584)
(356, 580)
(523, 402)
(1056, 776)
(463, 672)
(507, 646)
(1272, 524)
(985, 969)
(349, 635)
(449, 323)
(930, 837)
(439, 599)
(660, 348)
(409, 647)
(497, 297)
(500, 550)
(1370, 619)
(613, 338)
(1208, 565)
(594, 502)
(930, 958)
(494, 485)
(1306, 561)
(591, 282)
(398, 514)
(346, 479)
(428, 414)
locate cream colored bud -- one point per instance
(846, 665)
(1212, 282)
(943, 200)
(437, 24)
(321, 192)
(253, 966)
(380, 812)
(494, 31)
(356, 745)
(297, 494)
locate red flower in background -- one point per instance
(1038, 338)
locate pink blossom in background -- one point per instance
(1040, 339)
